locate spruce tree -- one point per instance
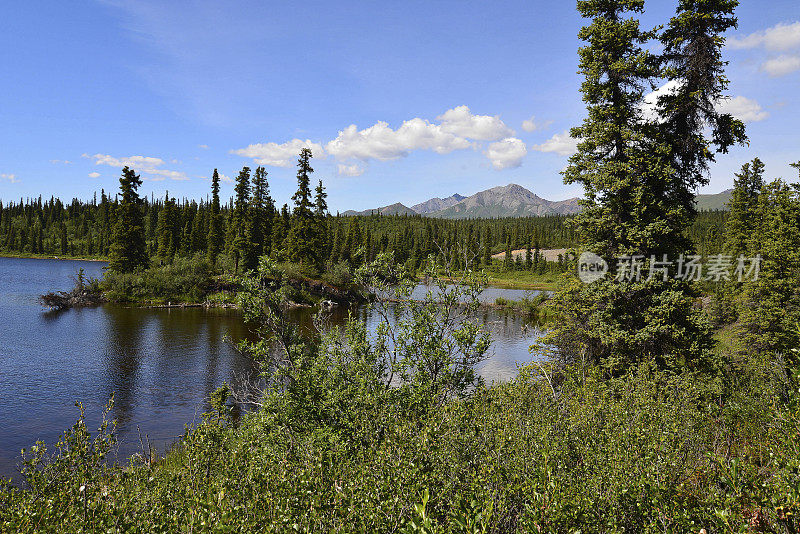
(771, 312)
(321, 213)
(508, 262)
(241, 230)
(639, 175)
(280, 229)
(487, 247)
(320, 202)
(262, 208)
(166, 231)
(742, 207)
(215, 235)
(128, 250)
(302, 245)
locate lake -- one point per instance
(161, 364)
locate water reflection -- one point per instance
(161, 364)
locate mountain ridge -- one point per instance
(510, 200)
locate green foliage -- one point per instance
(339, 275)
(741, 222)
(262, 209)
(304, 243)
(552, 451)
(127, 252)
(241, 229)
(639, 174)
(771, 306)
(598, 324)
(215, 234)
(185, 280)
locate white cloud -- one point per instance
(144, 164)
(457, 129)
(561, 143)
(60, 161)
(204, 147)
(9, 178)
(380, 142)
(225, 178)
(531, 125)
(276, 155)
(781, 65)
(506, 154)
(351, 170)
(94, 174)
(460, 122)
(648, 106)
(782, 36)
(743, 108)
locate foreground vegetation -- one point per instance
(331, 444)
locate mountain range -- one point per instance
(506, 201)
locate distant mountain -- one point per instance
(506, 201)
(394, 209)
(437, 204)
(509, 201)
(714, 202)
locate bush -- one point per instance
(297, 271)
(339, 276)
(184, 280)
(352, 433)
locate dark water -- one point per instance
(161, 364)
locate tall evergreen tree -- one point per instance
(128, 249)
(321, 213)
(215, 234)
(639, 174)
(241, 230)
(320, 202)
(487, 247)
(168, 229)
(742, 207)
(262, 207)
(302, 241)
(772, 303)
(508, 261)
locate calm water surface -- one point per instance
(161, 364)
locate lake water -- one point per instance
(161, 364)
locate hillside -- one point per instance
(507, 201)
(394, 209)
(718, 201)
(437, 204)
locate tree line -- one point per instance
(251, 224)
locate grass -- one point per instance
(519, 279)
(533, 307)
(523, 280)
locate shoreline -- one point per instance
(50, 257)
(496, 283)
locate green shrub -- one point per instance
(354, 433)
(339, 275)
(184, 280)
(502, 301)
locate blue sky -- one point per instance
(405, 101)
